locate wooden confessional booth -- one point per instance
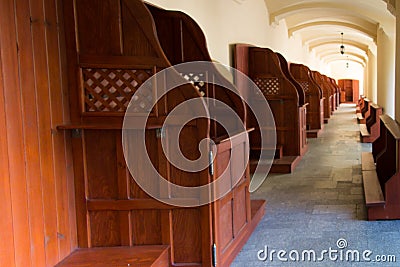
(113, 47)
(265, 69)
(326, 93)
(315, 108)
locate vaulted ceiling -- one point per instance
(319, 23)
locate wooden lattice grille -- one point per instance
(269, 86)
(197, 79)
(111, 90)
(304, 85)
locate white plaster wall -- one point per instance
(355, 71)
(226, 22)
(385, 72)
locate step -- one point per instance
(313, 133)
(286, 164)
(278, 150)
(144, 256)
(372, 189)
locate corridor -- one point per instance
(321, 206)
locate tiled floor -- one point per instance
(319, 204)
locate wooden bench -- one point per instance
(144, 256)
(380, 171)
(315, 109)
(263, 66)
(370, 131)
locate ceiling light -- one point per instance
(342, 46)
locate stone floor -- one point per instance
(320, 206)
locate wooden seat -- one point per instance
(145, 256)
(359, 117)
(367, 161)
(372, 189)
(364, 131)
(370, 131)
(381, 176)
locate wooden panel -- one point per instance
(14, 126)
(105, 229)
(135, 33)
(187, 244)
(239, 205)
(44, 123)
(31, 139)
(7, 253)
(101, 171)
(146, 227)
(99, 29)
(152, 150)
(56, 93)
(225, 222)
(34, 101)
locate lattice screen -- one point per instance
(304, 85)
(110, 90)
(197, 80)
(269, 86)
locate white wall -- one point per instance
(355, 71)
(226, 22)
(385, 72)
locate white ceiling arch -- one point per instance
(335, 41)
(372, 33)
(319, 23)
(333, 59)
